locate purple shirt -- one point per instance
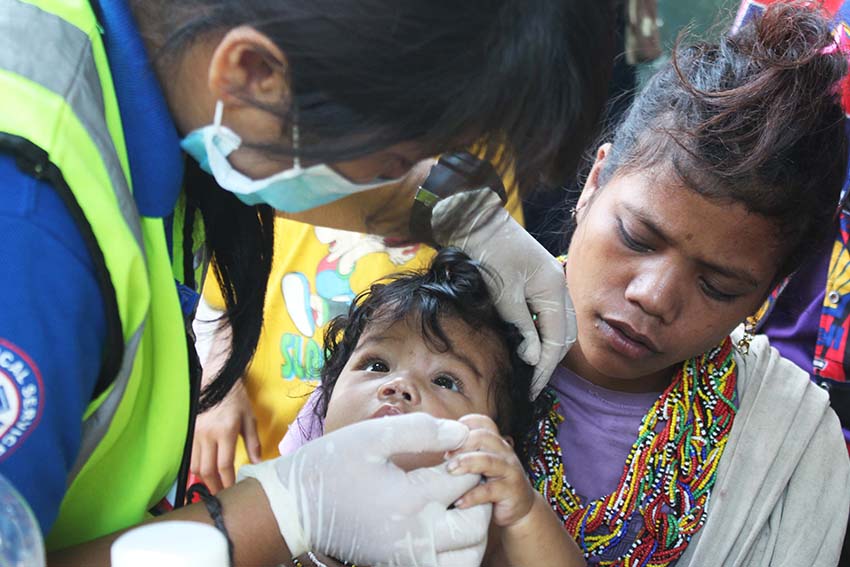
(599, 428)
(306, 427)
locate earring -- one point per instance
(749, 331)
(573, 212)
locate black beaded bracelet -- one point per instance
(213, 505)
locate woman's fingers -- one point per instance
(224, 461)
(216, 434)
(209, 467)
(204, 464)
(251, 438)
(195, 462)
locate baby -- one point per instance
(433, 342)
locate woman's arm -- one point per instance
(247, 516)
(346, 475)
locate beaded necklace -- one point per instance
(663, 494)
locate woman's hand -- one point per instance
(216, 433)
(218, 429)
(490, 455)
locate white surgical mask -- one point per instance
(292, 190)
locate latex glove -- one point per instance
(525, 278)
(342, 496)
(216, 432)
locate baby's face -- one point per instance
(394, 370)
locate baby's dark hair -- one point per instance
(453, 286)
(754, 119)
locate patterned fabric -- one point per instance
(831, 355)
(767, 307)
(664, 492)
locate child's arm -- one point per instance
(540, 539)
(531, 534)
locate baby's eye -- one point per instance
(376, 366)
(448, 382)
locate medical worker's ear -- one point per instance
(591, 186)
(247, 67)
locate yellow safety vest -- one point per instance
(60, 115)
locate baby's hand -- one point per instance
(487, 453)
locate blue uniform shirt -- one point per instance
(52, 320)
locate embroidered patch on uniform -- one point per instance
(21, 399)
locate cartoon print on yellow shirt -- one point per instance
(333, 293)
(311, 307)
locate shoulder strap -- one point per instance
(34, 161)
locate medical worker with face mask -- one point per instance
(138, 140)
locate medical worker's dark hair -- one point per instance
(240, 240)
(453, 286)
(754, 119)
(525, 80)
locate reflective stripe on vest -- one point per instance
(56, 91)
(88, 105)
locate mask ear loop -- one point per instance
(296, 160)
(219, 110)
(217, 114)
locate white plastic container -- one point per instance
(21, 544)
(171, 544)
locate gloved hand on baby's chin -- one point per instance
(342, 495)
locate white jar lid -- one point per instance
(171, 544)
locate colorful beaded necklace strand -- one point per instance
(668, 475)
